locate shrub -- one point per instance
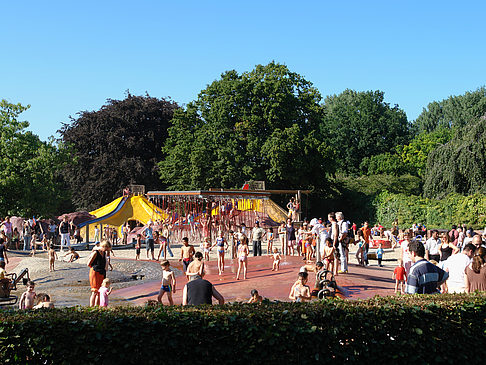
(382, 330)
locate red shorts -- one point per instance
(95, 280)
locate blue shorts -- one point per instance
(166, 288)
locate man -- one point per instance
(148, 234)
(64, 232)
(366, 236)
(343, 241)
(432, 247)
(424, 277)
(200, 291)
(334, 234)
(455, 266)
(257, 235)
(477, 241)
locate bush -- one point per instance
(382, 330)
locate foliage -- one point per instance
(458, 166)
(358, 125)
(380, 330)
(119, 144)
(454, 112)
(442, 213)
(259, 125)
(30, 169)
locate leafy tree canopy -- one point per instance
(458, 166)
(29, 168)
(359, 125)
(115, 146)
(456, 111)
(260, 125)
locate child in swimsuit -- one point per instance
(329, 254)
(137, 246)
(300, 292)
(222, 246)
(243, 252)
(276, 260)
(195, 268)
(207, 247)
(187, 252)
(270, 241)
(168, 284)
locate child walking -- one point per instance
(222, 245)
(379, 254)
(168, 284)
(52, 258)
(138, 245)
(104, 291)
(400, 276)
(206, 247)
(243, 252)
(276, 260)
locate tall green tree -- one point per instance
(455, 111)
(259, 125)
(458, 166)
(119, 144)
(358, 125)
(30, 169)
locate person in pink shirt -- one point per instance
(104, 291)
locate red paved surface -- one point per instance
(359, 283)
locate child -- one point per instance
(71, 255)
(400, 276)
(255, 297)
(207, 246)
(361, 249)
(379, 254)
(222, 246)
(270, 241)
(52, 258)
(27, 298)
(159, 238)
(187, 253)
(138, 245)
(43, 301)
(195, 268)
(329, 255)
(104, 291)
(243, 252)
(3, 272)
(276, 260)
(168, 284)
(300, 292)
(309, 251)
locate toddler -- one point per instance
(43, 301)
(206, 247)
(52, 258)
(104, 291)
(27, 299)
(379, 254)
(400, 276)
(276, 260)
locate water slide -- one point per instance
(106, 211)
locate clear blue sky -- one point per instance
(63, 57)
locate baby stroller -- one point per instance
(326, 284)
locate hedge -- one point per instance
(410, 209)
(411, 329)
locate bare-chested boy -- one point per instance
(27, 299)
(52, 258)
(300, 292)
(195, 268)
(187, 253)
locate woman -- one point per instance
(475, 278)
(97, 273)
(446, 248)
(27, 235)
(282, 233)
(290, 235)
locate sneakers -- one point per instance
(342, 272)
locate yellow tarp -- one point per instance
(135, 208)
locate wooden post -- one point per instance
(87, 234)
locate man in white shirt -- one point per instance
(432, 247)
(320, 231)
(343, 241)
(455, 266)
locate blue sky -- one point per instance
(65, 57)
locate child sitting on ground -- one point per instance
(52, 258)
(27, 298)
(300, 292)
(255, 297)
(71, 255)
(104, 291)
(168, 284)
(276, 260)
(43, 301)
(379, 254)
(400, 277)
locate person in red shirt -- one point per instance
(400, 277)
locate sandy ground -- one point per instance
(68, 285)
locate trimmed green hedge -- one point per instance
(412, 329)
(409, 209)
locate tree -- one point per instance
(119, 144)
(259, 125)
(455, 111)
(30, 169)
(458, 166)
(359, 125)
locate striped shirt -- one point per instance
(425, 278)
